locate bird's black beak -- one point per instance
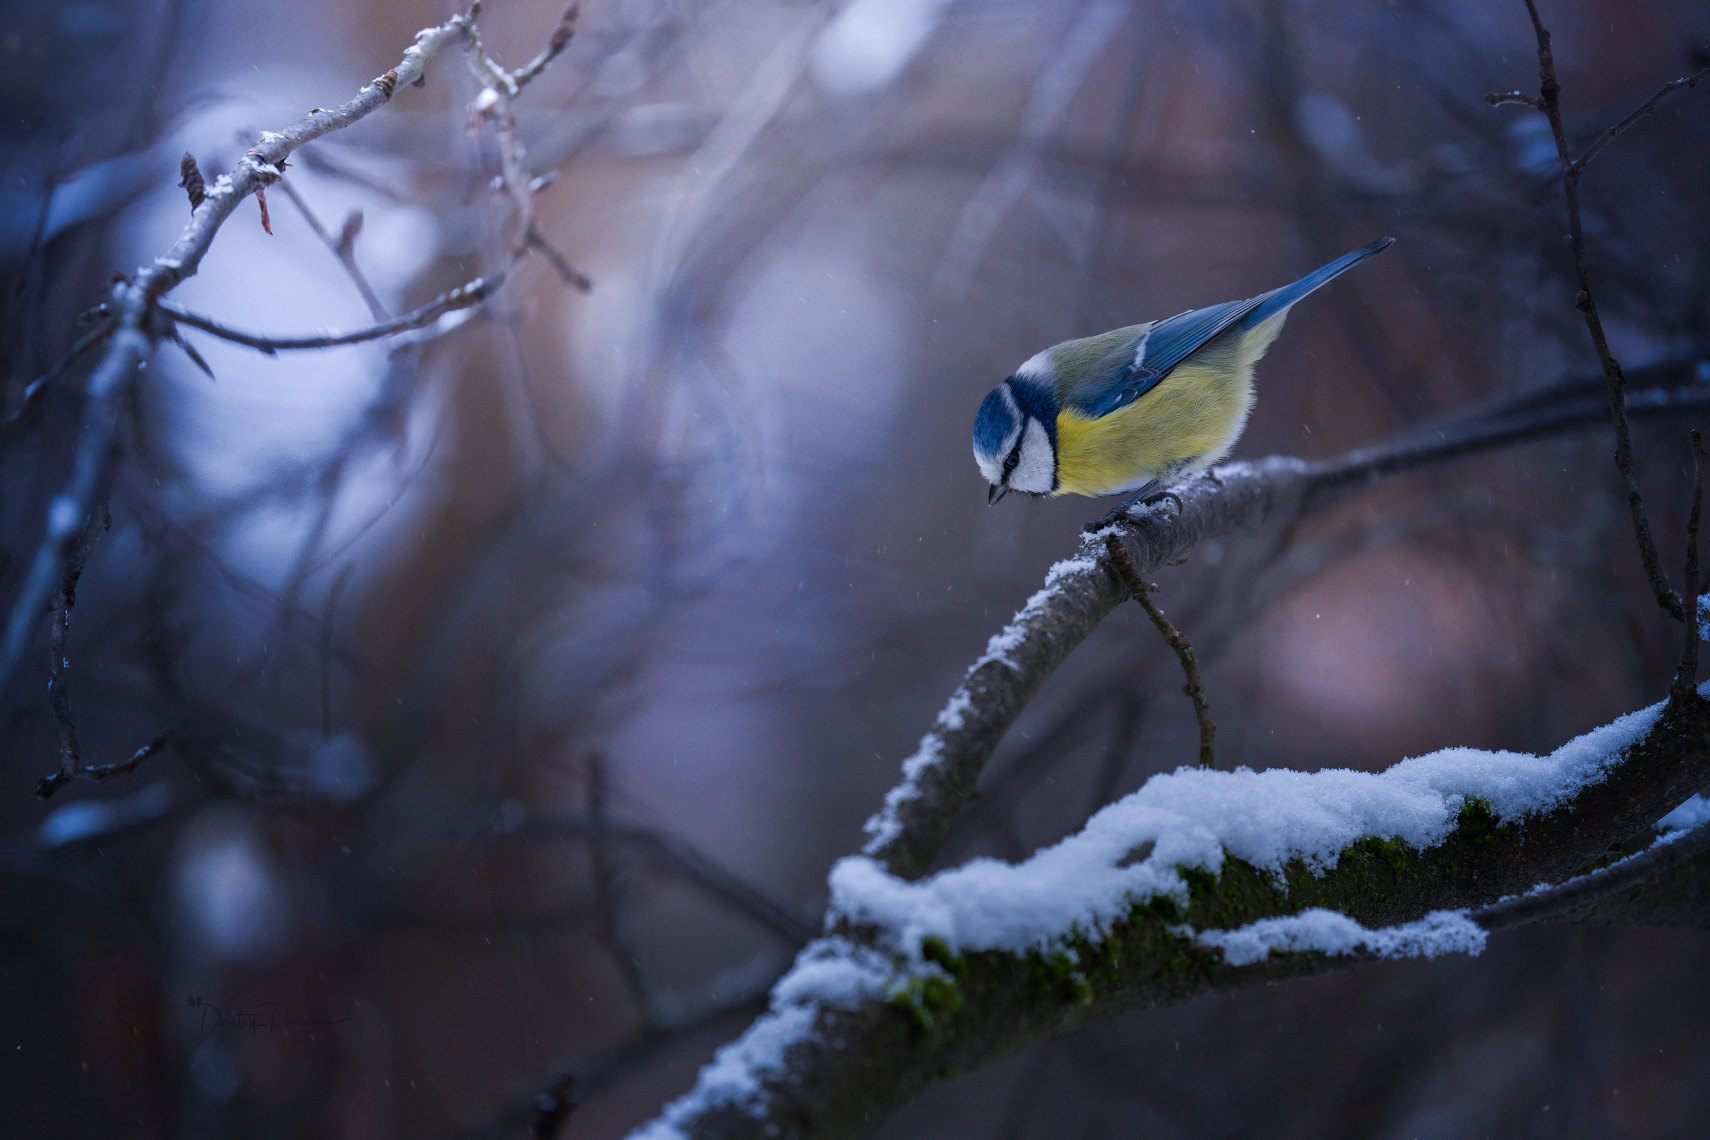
(998, 491)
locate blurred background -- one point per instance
(526, 674)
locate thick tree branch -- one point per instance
(851, 1054)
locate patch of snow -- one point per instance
(884, 826)
(1691, 814)
(1196, 817)
(832, 973)
(1440, 932)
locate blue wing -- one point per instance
(1166, 344)
(1173, 340)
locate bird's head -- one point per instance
(1015, 435)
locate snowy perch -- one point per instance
(1199, 881)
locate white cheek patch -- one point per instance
(1037, 470)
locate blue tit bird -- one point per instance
(1138, 408)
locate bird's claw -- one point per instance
(1124, 508)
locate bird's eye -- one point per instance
(1011, 461)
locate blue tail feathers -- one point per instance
(1277, 301)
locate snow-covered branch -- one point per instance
(1200, 881)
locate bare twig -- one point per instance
(590, 1075)
(326, 649)
(101, 773)
(1141, 592)
(1685, 686)
(573, 277)
(625, 954)
(343, 247)
(496, 104)
(34, 389)
(462, 297)
(717, 881)
(135, 337)
(1549, 102)
(1498, 99)
(59, 663)
(1644, 109)
(561, 36)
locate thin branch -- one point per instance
(561, 36)
(1549, 103)
(496, 104)
(1685, 686)
(1498, 99)
(59, 662)
(464, 296)
(594, 1074)
(625, 954)
(701, 870)
(1645, 108)
(101, 773)
(135, 336)
(34, 389)
(572, 276)
(1141, 592)
(326, 649)
(343, 247)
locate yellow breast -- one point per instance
(1185, 424)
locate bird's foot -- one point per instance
(1123, 508)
